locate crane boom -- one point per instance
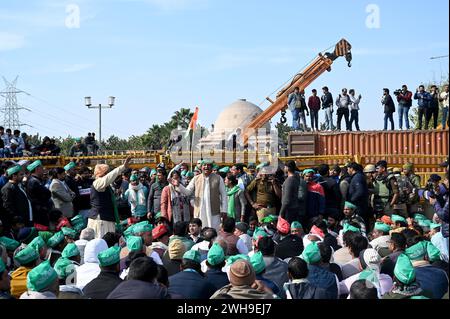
(320, 64)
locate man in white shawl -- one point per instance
(136, 195)
(90, 269)
(210, 197)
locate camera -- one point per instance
(398, 92)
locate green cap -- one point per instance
(70, 166)
(64, 267)
(56, 239)
(9, 243)
(296, 225)
(350, 205)
(13, 170)
(26, 255)
(37, 243)
(34, 165)
(348, 227)
(129, 231)
(158, 215)
(2, 266)
(382, 227)
(193, 255)
(134, 243)
(71, 250)
(224, 170)
(77, 139)
(417, 251)
(207, 162)
(397, 218)
(424, 223)
(232, 259)
(434, 254)
(419, 217)
(69, 232)
(404, 270)
(190, 174)
(269, 219)
(311, 254)
(134, 178)
(215, 166)
(433, 225)
(41, 276)
(153, 172)
(109, 256)
(257, 262)
(142, 227)
(216, 255)
(46, 235)
(308, 171)
(259, 232)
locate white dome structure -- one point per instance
(237, 115)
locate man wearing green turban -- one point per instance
(350, 215)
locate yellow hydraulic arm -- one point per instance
(320, 64)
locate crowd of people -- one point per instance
(15, 144)
(430, 104)
(240, 232)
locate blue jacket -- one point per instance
(217, 278)
(325, 279)
(442, 213)
(432, 279)
(190, 285)
(276, 272)
(358, 192)
(424, 99)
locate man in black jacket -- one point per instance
(290, 206)
(299, 287)
(333, 195)
(358, 192)
(141, 282)
(39, 195)
(105, 283)
(190, 282)
(15, 200)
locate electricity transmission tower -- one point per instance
(11, 108)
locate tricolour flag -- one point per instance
(193, 122)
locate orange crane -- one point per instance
(319, 65)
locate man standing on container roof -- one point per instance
(210, 197)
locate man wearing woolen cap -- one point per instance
(104, 213)
(243, 284)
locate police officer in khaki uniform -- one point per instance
(385, 190)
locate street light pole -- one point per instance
(88, 103)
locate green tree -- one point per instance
(283, 132)
(181, 118)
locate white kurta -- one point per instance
(206, 216)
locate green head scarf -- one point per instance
(404, 270)
(26, 255)
(64, 267)
(216, 255)
(41, 276)
(134, 243)
(71, 250)
(382, 227)
(56, 239)
(311, 254)
(193, 255)
(109, 256)
(417, 251)
(232, 259)
(10, 244)
(257, 262)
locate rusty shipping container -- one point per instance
(424, 148)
